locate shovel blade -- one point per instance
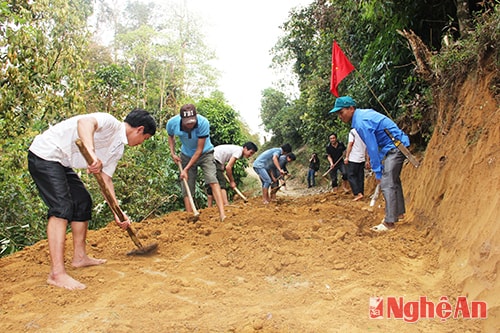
(144, 251)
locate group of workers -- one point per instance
(53, 155)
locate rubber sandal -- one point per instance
(381, 228)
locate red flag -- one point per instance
(341, 67)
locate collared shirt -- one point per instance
(370, 126)
(189, 140)
(58, 142)
(224, 153)
(265, 160)
(336, 153)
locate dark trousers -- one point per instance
(356, 177)
(311, 180)
(391, 186)
(333, 173)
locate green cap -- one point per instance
(343, 102)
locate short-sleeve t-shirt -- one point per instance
(189, 140)
(58, 142)
(265, 160)
(224, 153)
(358, 149)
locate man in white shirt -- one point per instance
(356, 161)
(51, 159)
(225, 157)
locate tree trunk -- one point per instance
(421, 53)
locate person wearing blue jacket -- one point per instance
(370, 126)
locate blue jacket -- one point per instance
(370, 125)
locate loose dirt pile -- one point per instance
(301, 264)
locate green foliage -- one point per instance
(22, 212)
(224, 121)
(281, 118)
(42, 45)
(366, 31)
(456, 60)
(109, 88)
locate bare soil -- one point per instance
(305, 263)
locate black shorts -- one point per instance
(61, 189)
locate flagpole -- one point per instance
(372, 92)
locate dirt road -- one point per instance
(305, 263)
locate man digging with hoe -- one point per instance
(51, 159)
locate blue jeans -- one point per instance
(265, 179)
(311, 180)
(391, 187)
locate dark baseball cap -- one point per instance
(188, 114)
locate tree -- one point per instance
(42, 47)
(42, 80)
(281, 117)
(367, 32)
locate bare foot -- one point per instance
(65, 281)
(222, 218)
(358, 197)
(87, 261)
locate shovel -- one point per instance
(277, 188)
(331, 168)
(141, 250)
(375, 195)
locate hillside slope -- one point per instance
(455, 194)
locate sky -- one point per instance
(242, 33)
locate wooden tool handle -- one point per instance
(331, 168)
(188, 191)
(236, 190)
(394, 140)
(107, 194)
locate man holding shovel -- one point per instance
(371, 126)
(225, 158)
(335, 151)
(265, 162)
(51, 159)
(196, 150)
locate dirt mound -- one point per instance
(306, 263)
(302, 264)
